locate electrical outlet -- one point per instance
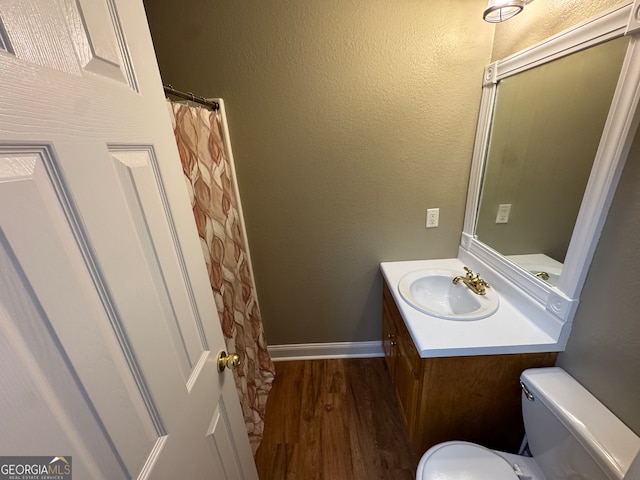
(433, 215)
(504, 209)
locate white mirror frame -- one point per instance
(561, 301)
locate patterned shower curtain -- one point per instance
(209, 175)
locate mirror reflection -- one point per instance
(545, 132)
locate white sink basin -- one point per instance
(432, 292)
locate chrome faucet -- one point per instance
(474, 282)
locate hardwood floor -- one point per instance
(334, 420)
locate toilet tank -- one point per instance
(571, 434)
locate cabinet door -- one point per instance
(402, 359)
(389, 345)
(389, 333)
(408, 389)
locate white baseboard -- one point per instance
(316, 351)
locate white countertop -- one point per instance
(506, 331)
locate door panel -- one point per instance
(137, 170)
(4, 40)
(100, 44)
(93, 44)
(35, 32)
(221, 445)
(73, 368)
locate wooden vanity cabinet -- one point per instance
(472, 398)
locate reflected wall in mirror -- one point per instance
(546, 128)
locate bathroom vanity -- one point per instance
(547, 125)
(453, 385)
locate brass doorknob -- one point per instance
(231, 361)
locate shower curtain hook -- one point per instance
(193, 99)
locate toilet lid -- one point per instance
(463, 461)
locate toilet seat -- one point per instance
(463, 461)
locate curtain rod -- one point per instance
(190, 96)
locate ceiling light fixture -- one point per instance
(500, 10)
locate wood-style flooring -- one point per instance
(334, 420)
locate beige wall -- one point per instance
(348, 120)
(541, 19)
(603, 352)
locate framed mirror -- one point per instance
(555, 126)
(544, 135)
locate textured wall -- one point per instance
(348, 119)
(540, 20)
(603, 352)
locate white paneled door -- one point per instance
(108, 328)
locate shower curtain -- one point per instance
(210, 178)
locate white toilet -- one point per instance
(571, 436)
